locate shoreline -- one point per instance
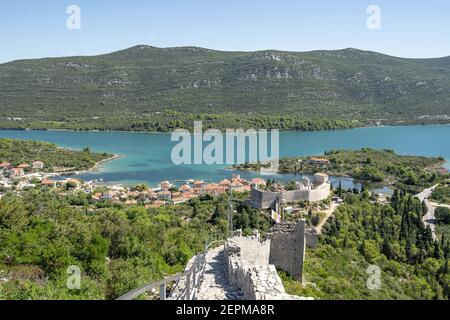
(388, 182)
(95, 168)
(281, 130)
(98, 165)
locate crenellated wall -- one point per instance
(314, 192)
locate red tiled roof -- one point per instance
(5, 165)
(320, 159)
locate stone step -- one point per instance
(215, 284)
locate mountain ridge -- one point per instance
(347, 84)
(346, 49)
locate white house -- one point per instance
(38, 165)
(15, 173)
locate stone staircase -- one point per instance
(238, 270)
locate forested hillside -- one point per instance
(116, 248)
(138, 83)
(26, 151)
(391, 237)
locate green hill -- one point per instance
(138, 83)
(26, 151)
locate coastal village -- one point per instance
(32, 175)
(298, 212)
(310, 196)
(27, 176)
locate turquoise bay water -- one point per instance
(146, 157)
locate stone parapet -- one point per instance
(247, 260)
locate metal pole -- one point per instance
(194, 273)
(230, 211)
(188, 286)
(162, 292)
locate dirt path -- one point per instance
(435, 204)
(328, 214)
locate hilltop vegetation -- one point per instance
(392, 238)
(117, 248)
(167, 121)
(442, 194)
(127, 89)
(368, 165)
(26, 151)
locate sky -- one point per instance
(38, 28)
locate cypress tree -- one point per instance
(195, 211)
(387, 249)
(408, 251)
(437, 250)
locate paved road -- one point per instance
(215, 285)
(429, 219)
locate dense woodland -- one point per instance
(117, 248)
(168, 121)
(392, 237)
(442, 193)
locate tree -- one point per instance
(387, 249)
(140, 188)
(219, 213)
(408, 251)
(443, 215)
(370, 250)
(424, 207)
(71, 185)
(315, 220)
(195, 211)
(437, 251)
(291, 186)
(242, 220)
(339, 192)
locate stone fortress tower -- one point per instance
(316, 189)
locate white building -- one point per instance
(39, 165)
(16, 173)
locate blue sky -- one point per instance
(37, 28)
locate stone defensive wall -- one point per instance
(318, 190)
(249, 269)
(320, 193)
(288, 248)
(263, 199)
